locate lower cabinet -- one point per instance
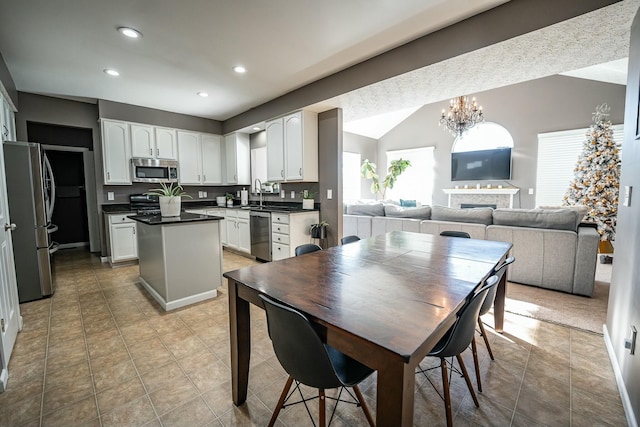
(123, 240)
(238, 229)
(289, 231)
(223, 225)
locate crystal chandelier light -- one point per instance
(463, 115)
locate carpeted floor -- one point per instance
(588, 314)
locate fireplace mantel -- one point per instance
(501, 197)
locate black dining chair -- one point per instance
(349, 239)
(307, 248)
(455, 341)
(311, 362)
(451, 233)
(484, 309)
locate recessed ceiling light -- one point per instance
(239, 69)
(111, 72)
(130, 32)
(256, 128)
(203, 94)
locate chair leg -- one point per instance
(283, 397)
(476, 364)
(364, 406)
(321, 408)
(486, 340)
(445, 387)
(467, 379)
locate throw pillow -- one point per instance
(407, 203)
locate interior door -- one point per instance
(10, 321)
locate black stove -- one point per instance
(144, 204)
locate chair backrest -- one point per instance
(451, 233)
(349, 239)
(298, 347)
(459, 336)
(307, 248)
(491, 296)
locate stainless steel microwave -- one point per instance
(154, 170)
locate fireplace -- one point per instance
(477, 197)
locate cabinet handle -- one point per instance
(157, 151)
(300, 171)
(8, 227)
(204, 177)
(3, 326)
(198, 177)
(282, 173)
(108, 175)
(151, 151)
(134, 231)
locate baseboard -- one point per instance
(104, 259)
(624, 396)
(73, 245)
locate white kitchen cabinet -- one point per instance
(153, 142)
(166, 143)
(223, 225)
(123, 239)
(292, 147)
(199, 156)
(116, 152)
(238, 159)
(289, 231)
(211, 149)
(238, 229)
(8, 129)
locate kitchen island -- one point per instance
(180, 257)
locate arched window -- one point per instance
(483, 136)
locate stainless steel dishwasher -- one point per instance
(261, 235)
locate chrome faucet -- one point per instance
(258, 189)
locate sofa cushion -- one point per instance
(373, 209)
(423, 212)
(580, 210)
(472, 215)
(556, 219)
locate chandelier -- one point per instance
(463, 115)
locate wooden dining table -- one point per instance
(385, 301)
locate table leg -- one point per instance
(498, 305)
(394, 405)
(240, 335)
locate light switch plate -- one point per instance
(531, 191)
(110, 195)
(627, 195)
(282, 194)
(293, 194)
(204, 194)
(329, 193)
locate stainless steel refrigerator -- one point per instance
(31, 195)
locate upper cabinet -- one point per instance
(7, 118)
(238, 159)
(199, 157)
(116, 152)
(153, 142)
(292, 147)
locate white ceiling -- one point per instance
(61, 48)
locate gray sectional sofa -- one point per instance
(553, 249)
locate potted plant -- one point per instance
(319, 231)
(307, 199)
(368, 171)
(229, 197)
(170, 198)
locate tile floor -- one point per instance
(101, 352)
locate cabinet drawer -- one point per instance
(216, 212)
(279, 218)
(243, 214)
(280, 238)
(280, 228)
(279, 251)
(120, 218)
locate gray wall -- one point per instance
(7, 82)
(624, 295)
(368, 149)
(526, 109)
(330, 147)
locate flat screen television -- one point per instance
(483, 165)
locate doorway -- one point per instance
(70, 152)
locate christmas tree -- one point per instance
(597, 176)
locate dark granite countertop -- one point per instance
(117, 208)
(184, 218)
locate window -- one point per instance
(416, 182)
(483, 136)
(557, 157)
(351, 176)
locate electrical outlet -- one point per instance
(282, 194)
(530, 191)
(204, 194)
(305, 193)
(329, 194)
(293, 194)
(110, 195)
(200, 194)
